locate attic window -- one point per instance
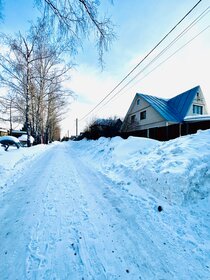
(138, 102)
(198, 96)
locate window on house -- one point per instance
(133, 118)
(197, 110)
(138, 102)
(198, 96)
(143, 115)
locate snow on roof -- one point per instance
(19, 131)
(3, 129)
(197, 118)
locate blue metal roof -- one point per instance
(174, 109)
(183, 101)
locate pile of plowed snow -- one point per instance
(177, 171)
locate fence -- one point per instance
(169, 132)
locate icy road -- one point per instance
(62, 219)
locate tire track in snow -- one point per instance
(17, 214)
(140, 235)
(65, 220)
(58, 244)
(118, 247)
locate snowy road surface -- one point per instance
(63, 219)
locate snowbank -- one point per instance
(177, 171)
(89, 209)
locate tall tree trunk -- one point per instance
(28, 129)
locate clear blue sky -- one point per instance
(17, 14)
(139, 25)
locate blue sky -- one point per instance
(17, 14)
(139, 25)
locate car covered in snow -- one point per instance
(7, 141)
(23, 139)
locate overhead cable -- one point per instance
(145, 57)
(163, 51)
(187, 43)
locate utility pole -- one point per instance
(76, 127)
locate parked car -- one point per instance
(23, 139)
(7, 141)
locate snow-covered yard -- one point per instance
(89, 210)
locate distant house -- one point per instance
(3, 132)
(148, 111)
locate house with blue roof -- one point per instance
(148, 111)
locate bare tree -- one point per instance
(73, 20)
(8, 110)
(50, 72)
(33, 71)
(70, 21)
(16, 68)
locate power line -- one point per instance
(187, 43)
(145, 57)
(162, 52)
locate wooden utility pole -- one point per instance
(76, 127)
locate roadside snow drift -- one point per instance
(106, 209)
(177, 171)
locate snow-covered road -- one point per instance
(63, 219)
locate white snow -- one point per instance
(89, 209)
(197, 118)
(11, 138)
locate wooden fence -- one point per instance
(169, 132)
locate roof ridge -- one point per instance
(161, 98)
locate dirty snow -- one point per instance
(89, 209)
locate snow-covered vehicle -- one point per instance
(23, 139)
(7, 141)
